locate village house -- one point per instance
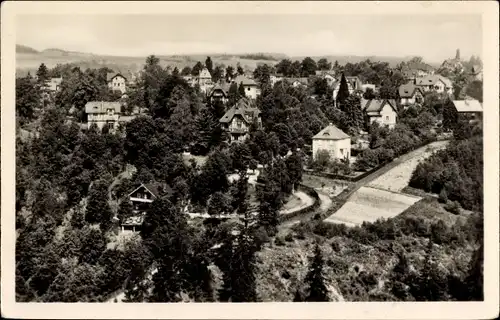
(329, 75)
(238, 119)
(468, 109)
(53, 84)
(410, 94)
(333, 140)
(383, 111)
(367, 86)
(190, 80)
(219, 93)
(453, 65)
(251, 88)
(204, 80)
(117, 82)
(141, 199)
(106, 114)
(298, 82)
(275, 78)
(435, 83)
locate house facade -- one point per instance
(383, 111)
(141, 199)
(219, 93)
(117, 82)
(204, 80)
(468, 109)
(275, 78)
(238, 120)
(435, 83)
(410, 94)
(53, 84)
(251, 88)
(333, 140)
(103, 114)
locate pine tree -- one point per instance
(315, 280)
(241, 91)
(209, 64)
(42, 73)
(343, 92)
(98, 210)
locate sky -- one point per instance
(434, 37)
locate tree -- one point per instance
(262, 74)
(323, 64)
(186, 71)
(295, 69)
(93, 244)
(209, 64)
(308, 67)
(197, 68)
(98, 210)
(315, 279)
(217, 74)
(219, 204)
(283, 67)
(343, 92)
(125, 210)
(352, 109)
(241, 91)
(42, 73)
(240, 70)
(229, 73)
(27, 98)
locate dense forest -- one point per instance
(70, 187)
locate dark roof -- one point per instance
(331, 133)
(110, 76)
(102, 106)
(154, 188)
(407, 90)
(245, 80)
(243, 107)
(224, 88)
(374, 106)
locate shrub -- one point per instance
(453, 207)
(289, 237)
(330, 230)
(443, 196)
(279, 241)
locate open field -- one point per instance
(399, 177)
(370, 204)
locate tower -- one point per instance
(457, 56)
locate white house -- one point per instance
(469, 108)
(53, 84)
(274, 78)
(383, 111)
(410, 94)
(436, 83)
(251, 88)
(117, 82)
(333, 140)
(204, 80)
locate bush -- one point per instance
(289, 237)
(453, 207)
(279, 241)
(330, 230)
(443, 196)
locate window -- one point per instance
(341, 151)
(387, 118)
(248, 89)
(238, 123)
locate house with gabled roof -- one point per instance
(383, 111)
(468, 109)
(204, 80)
(333, 140)
(219, 93)
(435, 83)
(103, 113)
(239, 118)
(251, 88)
(410, 94)
(141, 199)
(117, 82)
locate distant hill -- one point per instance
(25, 49)
(29, 59)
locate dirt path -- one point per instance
(305, 201)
